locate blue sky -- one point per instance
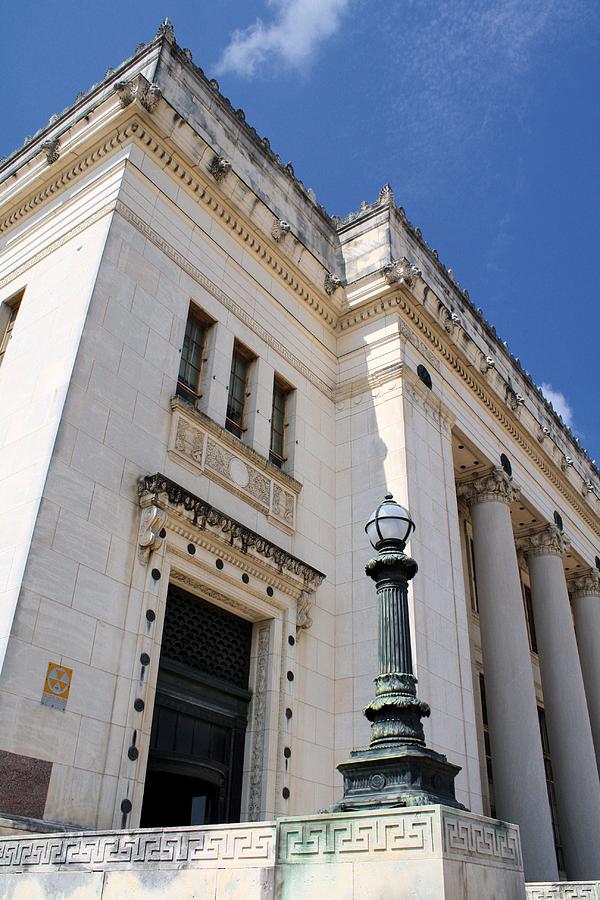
(483, 115)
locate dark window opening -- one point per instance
(488, 748)
(551, 788)
(11, 309)
(238, 388)
(529, 618)
(192, 355)
(278, 424)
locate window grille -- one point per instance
(192, 355)
(238, 382)
(206, 638)
(277, 448)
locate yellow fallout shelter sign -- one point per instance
(57, 686)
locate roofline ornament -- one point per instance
(331, 283)
(401, 271)
(148, 94)
(219, 167)
(280, 229)
(160, 492)
(51, 149)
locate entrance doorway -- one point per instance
(195, 764)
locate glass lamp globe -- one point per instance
(389, 524)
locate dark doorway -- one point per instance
(194, 774)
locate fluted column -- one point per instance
(586, 614)
(517, 760)
(569, 733)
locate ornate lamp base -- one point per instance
(404, 775)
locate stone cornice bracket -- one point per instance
(51, 148)
(153, 519)
(280, 229)
(331, 283)
(401, 271)
(586, 585)
(165, 492)
(549, 541)
(494, 485)
(543, 433)
(140, 89)
(219, 167)
(303, 617)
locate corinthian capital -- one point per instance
(493, 485)
(586, 585)
(549, 541)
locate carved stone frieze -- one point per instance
(153, 519)
(219, 167)
(493, 485)
(550, 540)
(331, 283)
(280, 229)
(401, 271)
(586, 585)
(230, 467)
(51, 148)
(203, 515)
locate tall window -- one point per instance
(488, 749)
(235, 420)
(7, 323)
(471, 567)
(551, 789)
(277, 446)
(529, 617)
(192, 354)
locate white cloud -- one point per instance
(560, 404)
(291, 38)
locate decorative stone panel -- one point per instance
(202, 446)
(564, 890)
(202, 847)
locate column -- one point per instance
(517, 760)
(569, 733)
(586, 613)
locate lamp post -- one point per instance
(397, 769)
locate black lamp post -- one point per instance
(397, 769)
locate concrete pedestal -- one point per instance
(426, 853)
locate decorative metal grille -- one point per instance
(206, 638)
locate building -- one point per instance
(206, 385)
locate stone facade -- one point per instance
(435, 851)
(152, 193)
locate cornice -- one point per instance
(438, 339)
(158, 493)
(586, 585)
(547, 541)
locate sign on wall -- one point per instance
(57, 686)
